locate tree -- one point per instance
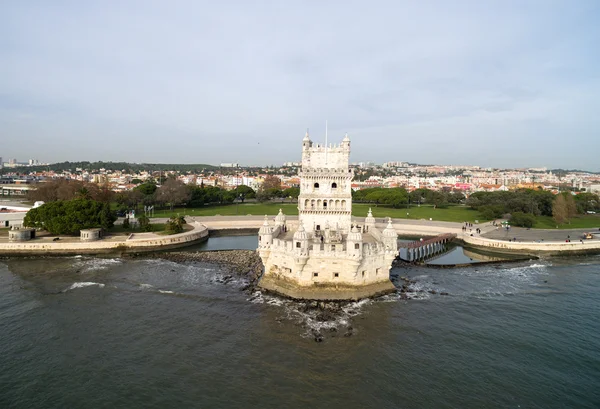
(70, 216)
(271, 182)
(244, 192)
(173, 192)
(146, 189)
(292, 192)
(571, 206)
(521, 219)
(144, 222)
(560, 212)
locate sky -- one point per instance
(490, 83)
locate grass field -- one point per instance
(591, 221)
(450, 214)
(118, 229)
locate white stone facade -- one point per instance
(327, 257)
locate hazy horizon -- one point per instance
(505, 84)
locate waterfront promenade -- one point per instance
(537, 241)
(132, 243)
(493, 238)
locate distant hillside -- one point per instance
(564, 171)
(128, 167)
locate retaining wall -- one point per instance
(127, 245)
(550, 248)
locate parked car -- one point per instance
(591, 212)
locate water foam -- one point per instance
(166, 292)
(93, 264)
(316, 321)
(83, 284)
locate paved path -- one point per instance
(522, 234)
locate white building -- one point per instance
(327, 256)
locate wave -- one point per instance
(91, 264)
(166, 292)
(83, 284)
(318, 319)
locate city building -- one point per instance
(327, 256)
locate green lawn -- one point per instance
(118, 229)
(452, 213)
(591, 221)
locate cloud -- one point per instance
(446, 82)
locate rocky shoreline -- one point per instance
(243, 263)
(247, 264)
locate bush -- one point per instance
(175, 224)
(490, 212)
(144, 222)
(521, 219)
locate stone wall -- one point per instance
(127, 245)
(576, 246)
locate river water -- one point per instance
(88, 332)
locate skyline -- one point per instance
(506, 84)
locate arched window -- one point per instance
(316, 186)
(334, 185)
(325, 204)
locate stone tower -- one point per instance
(328, 256)
(325, 186)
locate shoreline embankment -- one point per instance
(134, 243)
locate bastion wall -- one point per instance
(127, 245)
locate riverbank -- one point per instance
(245, 263)
(133, 243)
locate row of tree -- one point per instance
(400, 197)
(114, 166)
(171, 193)
(529, 201)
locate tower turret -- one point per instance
(354, 243)
(265, 234)
(346, 142)
(306, 142)
(280, 219)
(369, 220)
(390, 237)
(301, 240)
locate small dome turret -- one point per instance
(301, 234)
(389, 230)
(370, 219)
(265, 228)
(346, 138)
(354, 235)
(280, 218)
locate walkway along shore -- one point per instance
(244, 225)
(545, 242)
(134, 243)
